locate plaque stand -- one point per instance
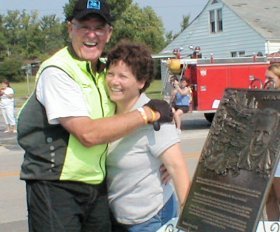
(237, 164)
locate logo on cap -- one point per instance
(93, 4)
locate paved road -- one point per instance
(12, 190)
(13, 214)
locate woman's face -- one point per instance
(270, 76)
(124, 88)
(183, 83)
(4, 85)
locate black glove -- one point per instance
(161, 106)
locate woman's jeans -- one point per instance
(168, 212)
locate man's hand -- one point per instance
(163, 108)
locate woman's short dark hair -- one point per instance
(137, 56)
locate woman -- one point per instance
(137, 197)
(182, 100)
(273, 201)
(8, 106)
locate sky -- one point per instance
(171, 12)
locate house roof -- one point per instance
(262, 15)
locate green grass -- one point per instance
(154, 91)
(23, 90)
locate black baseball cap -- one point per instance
(85, 8)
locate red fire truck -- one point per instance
(210, 77)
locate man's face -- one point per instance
(262, 135)
(89, 37)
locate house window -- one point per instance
(219, 20)
(237, 54)
(216, 20)
(242, 53)
(212, 21)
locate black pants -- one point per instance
(56, 206)
(185, 109)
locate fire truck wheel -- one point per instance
(209, 116)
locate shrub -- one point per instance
(11, 69)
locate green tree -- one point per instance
(30, 35)
(26, 38)
(52, 38)
(68, 8)
(119, 7)
(169, 36)
(11, 70)
(22, 33)
(141, 25)
(11, 24)
(3, 40)
(185, 22)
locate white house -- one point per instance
(232, 28)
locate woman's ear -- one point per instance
(141, 84)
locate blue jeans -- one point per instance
(168, 212)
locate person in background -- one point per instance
(138, 198)
(273, 201)
(181, 97)
(173, 81)
(273, 74)
(65, 126)
(8, 106)
(196, 53)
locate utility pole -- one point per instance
(28, 72)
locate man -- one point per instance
(258, 156)
(64, 132)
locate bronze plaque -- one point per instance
(237, 164)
